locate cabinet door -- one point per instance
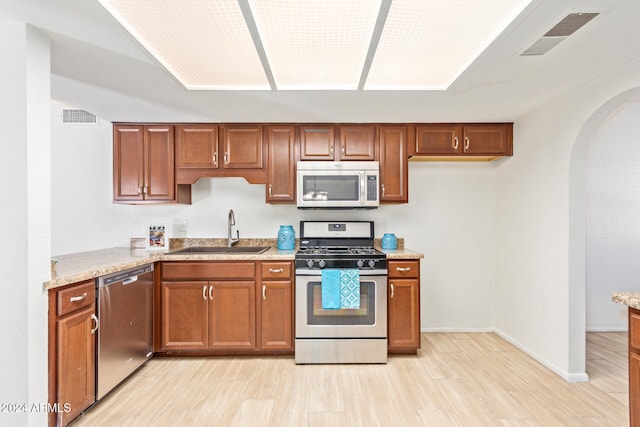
(438, 139)
(357, 142)
(76, 355)
(281, 166)
(634, 389)
(185, 308)
(393, 164)
(276, 315)
(128, 154)
(242, 147)
(487, 140)
(317, 142)
(197, 146)
(232, 315)
(159, 164)
(404, 313)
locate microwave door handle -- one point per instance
(363, 188)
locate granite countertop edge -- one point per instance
(74, 268)
(631, 299)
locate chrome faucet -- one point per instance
(232, 221)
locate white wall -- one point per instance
(540, 281)
(613, 218)
(25, 191)
(461, 195)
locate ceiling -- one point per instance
(98, 66)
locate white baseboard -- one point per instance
(611, 329)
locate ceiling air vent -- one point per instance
(563, 29)
(78, 116)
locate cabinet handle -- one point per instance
(145, 190)
(264, 292)
(211, 292)
(393, 290)
(382, 185)
(270, 190)
(403, 268)
(215, 159)
(204, 292)
(331, 150)
(276, 270)
(226, 158)
(466, 143)
(78, 298)
(342, 151)
(139, 190)
(96, 322)
(454, 145)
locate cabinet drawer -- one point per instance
(275, 270)
(404, 268)
(75, 297)
(208, 270)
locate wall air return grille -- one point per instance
(78, 116)
(563, 29)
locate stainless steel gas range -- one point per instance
(341, 294)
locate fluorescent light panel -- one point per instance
(316, 44)
(426, 45)
(203, 44)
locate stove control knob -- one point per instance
(321, 263)
(372, 263)
(309, 263)
(360, 263)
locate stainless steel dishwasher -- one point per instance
(125, 337)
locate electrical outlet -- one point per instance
(448, 226)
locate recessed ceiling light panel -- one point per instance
(428, 44)
(204, 44)
(316, 44)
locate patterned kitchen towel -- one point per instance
(349, 289)
(330, 289)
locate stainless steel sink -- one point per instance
(221, 250)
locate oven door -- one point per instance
(368, 321)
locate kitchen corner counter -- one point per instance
(631, 299)
(81, 266)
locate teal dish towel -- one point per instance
(350, 289)
(330, 289)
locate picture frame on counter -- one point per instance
(156, 236)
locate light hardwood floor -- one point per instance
(457, 379)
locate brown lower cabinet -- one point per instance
(72, 351)
(404, 306)
(634, 367)
(213, 307)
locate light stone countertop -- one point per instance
(631, 299)
(73, 268)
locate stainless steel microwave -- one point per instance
(338, 184)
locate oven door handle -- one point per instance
(363, 273)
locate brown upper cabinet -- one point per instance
(393, 164)
(143, 165)
(357, 142)
(448, 141)
(208, 150)
(354, 142)
(317, 142)
(281, 164)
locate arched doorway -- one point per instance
(577, 221)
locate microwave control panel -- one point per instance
(372, 187)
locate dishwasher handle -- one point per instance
(129, 280)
